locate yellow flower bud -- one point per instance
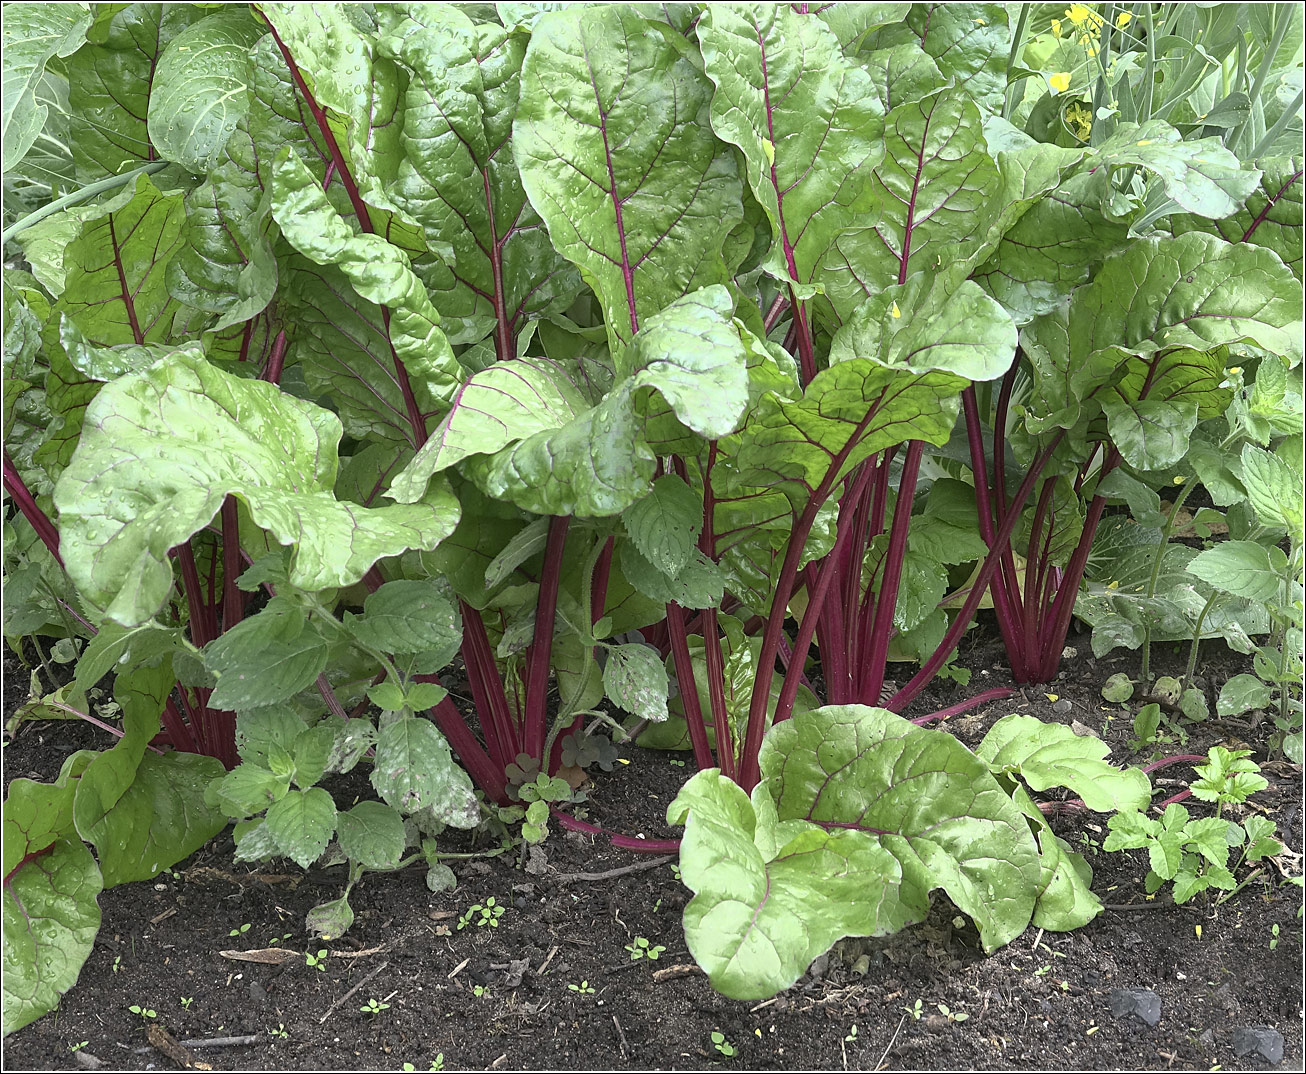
(1123, 20)
(1060, 81)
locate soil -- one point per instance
(552, 986)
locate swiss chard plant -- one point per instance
(423, 386)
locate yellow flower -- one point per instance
(1060, 81)
(1080, 14)
(1056, 27)
(1123, 20)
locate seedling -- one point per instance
(641, 949)
(585, 988)
(1274, 937)
(144, 1012)
(374, 1006)
(481, 915)
(186, 1001)
(722, 1045)
(318, 961)
(951, 1016)
(280, 939)
(117, 963)
(480, 990)
(240, 931)
(915, 1010)
(851, 1036)
(280, 1032)
(436, 1064)
(79, 1046)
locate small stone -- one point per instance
(819, 965)
(1141, 1002)
(1069, 653)
(1266, 1042)
(1062, 706)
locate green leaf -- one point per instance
(408, 616)
(498, 406)
(1241, 693)
(1274, 489)
(330, 919)
(372, 834)
(33, 35)
(806, 120)
(197, 94)
(377, 269)
(179, 437)
(636, 681)
(301, 824)
(1243, 568)
(612, 141)
(697, 584)
(1065, 900)
(1260, 839)
(1209, 836)
(50, 922)
(266, 658)
(249, 789)
(312, 750)
(414, 770)
(1052, 755)
(665, 524)
(259, 730)
(1201, 175)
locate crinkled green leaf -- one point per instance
(197, 93)
(248, 789)
(301, 824)
(378, 270)
(1274, 490)
(697, 583)
(615, 153)
(1051, 755)
(507, 402)
(371, 833)
(408, 616)
(1065, 900)
(1200, 174)
(1241, 693)
(805, 118)
(163, 448)
(33, 34)
(414, 770)
(969, 42)
(259, 730)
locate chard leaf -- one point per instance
(301, 824)
(164, 447)
(1270, 217)
(938, 192)
(414, 770)
(970, 43)
(665, 524)
(377, 269)
(197, 94)
(1065, 899)
(852, 22)
(900, 73)
(496, 407)
(597, 464)
(922, 327)
(850, 411)
(110, 80)
(615, 153)
(1273, 489)
(636, 681)
(33, 35)
(1052, 755)
(458, 179)
(1200, 174)
(1243, 568)
(371, 834)
(806, 119)
(1194, 291)
(859, 816)
(692, 355)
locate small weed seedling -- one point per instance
(481, 915)
(851, 1036)
(280, 1032)
(186, 1001)
(117, 963)
(641, 949)
(240, 931)
(79, 1046)
(951, 1016)
(144, 1012)
(1274, 937)
(318, 961)
(436, 1064)
(279, 939)
(374, 1006)
(585, 988)
(722, 1045)
(480, 990)
(915, 1010)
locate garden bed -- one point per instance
(1046, 999)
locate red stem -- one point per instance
(688, 686)
(996, 694)
(540, 654)
(276, 360)
(623, 842)
(27, 505)
(233, 599)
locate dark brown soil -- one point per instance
(553, 987)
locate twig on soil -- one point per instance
(267, 956)
(458, 969)
(672, 972)
(880, 1062)
(342, 999)
(163, 916)
(625, 870)
(166, 1043)
(545, 964)
(1166, 902)
(621, 1037)
(221, 1042)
